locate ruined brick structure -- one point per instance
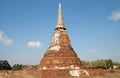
(60, 54)
(60, 60)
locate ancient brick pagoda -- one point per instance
(60, 54)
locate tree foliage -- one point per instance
(104, 64)
(17, 67)
(99, 64)
(4, 65)
(109, 63)
(86, 64)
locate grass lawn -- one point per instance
(19, 75)
(23, 75)
(0, 75)
(107, 76)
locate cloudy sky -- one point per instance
(26, 27)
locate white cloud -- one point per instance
(4, 39)
(115, 16)
(34, 44)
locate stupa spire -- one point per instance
(60, 22)
(60, 54)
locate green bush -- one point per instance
(17, 67)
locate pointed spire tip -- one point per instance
(60, 22)
(59, 5)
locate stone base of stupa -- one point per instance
(64, 73)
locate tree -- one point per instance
(109, 63)
(86, 64)
(17, 67)
(4, 65)
(99, 64)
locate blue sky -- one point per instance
(26, 27)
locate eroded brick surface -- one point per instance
(60, 54)
(60, 57)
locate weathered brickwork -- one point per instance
(60, 60)
(60, 54)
